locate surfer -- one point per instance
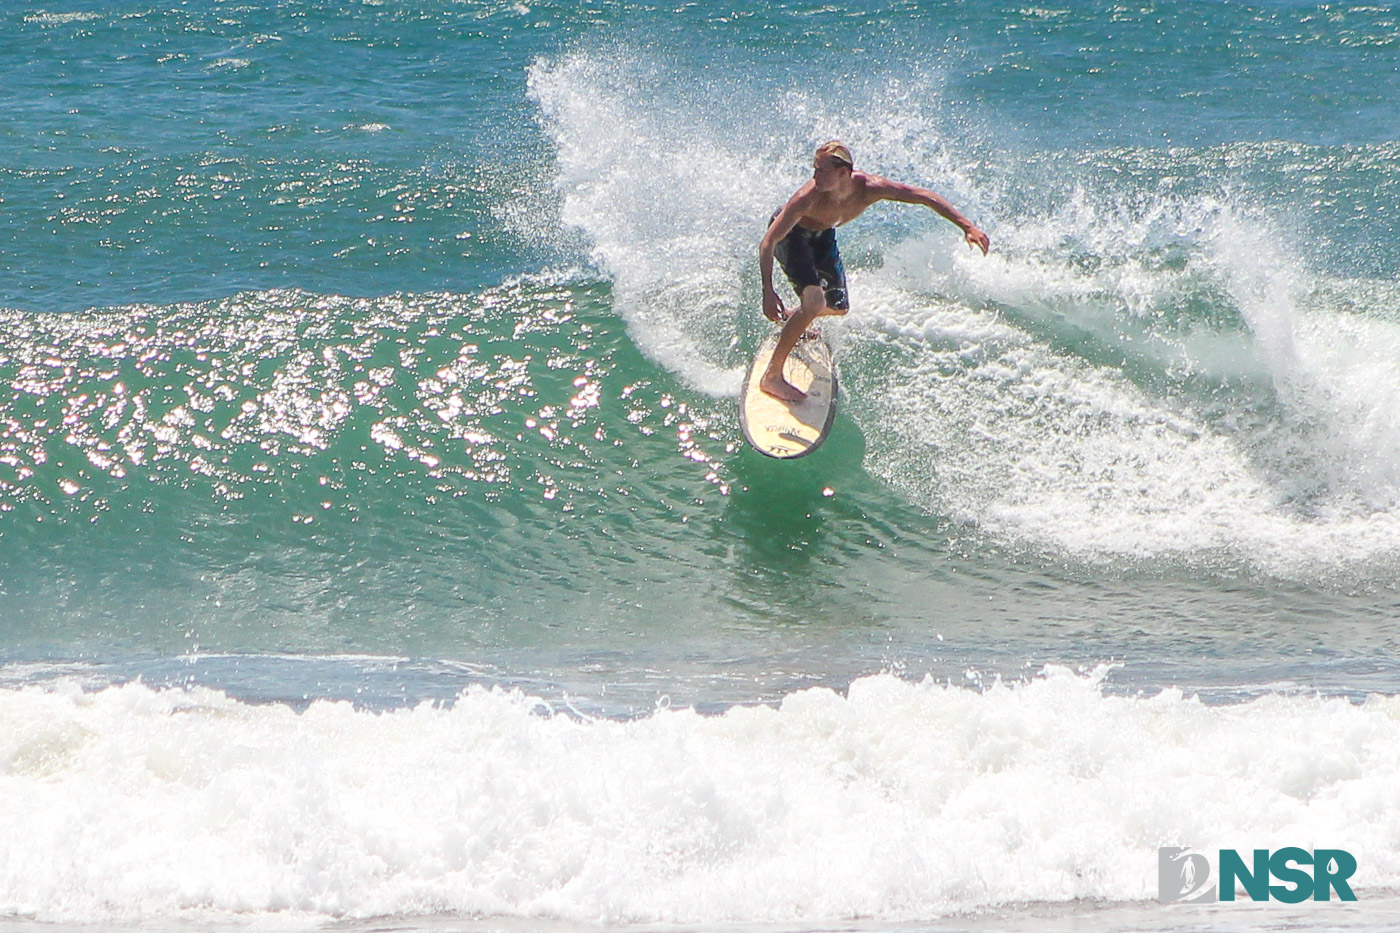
(802, 236)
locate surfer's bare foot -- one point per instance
(779, 388)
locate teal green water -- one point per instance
(1153, 427)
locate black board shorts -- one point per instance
(810, 257)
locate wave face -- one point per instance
(1158, 362)
(894, 802)
(1150, 364)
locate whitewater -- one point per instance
(892, 801)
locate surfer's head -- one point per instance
(832, 163)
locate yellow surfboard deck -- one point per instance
(787, 430)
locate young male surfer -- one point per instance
(802, 235)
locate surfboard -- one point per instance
(788, 430)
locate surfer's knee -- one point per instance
(803, 316)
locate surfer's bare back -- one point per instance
(802, 236)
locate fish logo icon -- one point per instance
(1182, 876)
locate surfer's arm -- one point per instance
(886, 190)
(780, 227)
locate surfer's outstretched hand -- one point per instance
(977, 239)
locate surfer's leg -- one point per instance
(813, 304)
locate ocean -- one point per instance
(379, 549)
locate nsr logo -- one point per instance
(1183, 875)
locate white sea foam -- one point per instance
(1292, 464)
(45, 18)
(1050, 393)
(898, 801)
(653, 199)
